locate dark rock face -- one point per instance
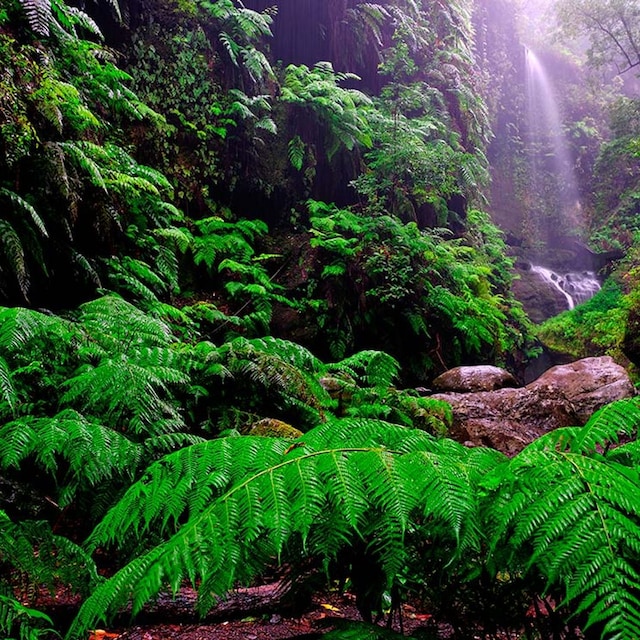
(539, 299)
(475, 378)
(565, 395)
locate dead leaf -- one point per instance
(101, 634)
(330, 607)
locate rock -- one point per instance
(539, 299)
(270, 427)
(588, 384)
(507, 419)
(565, 395)
(476, 378)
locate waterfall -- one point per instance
(549, 154)
(575, 286)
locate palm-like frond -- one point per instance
(92, 452)
(241, 514)
(132, 394)
(572, 513)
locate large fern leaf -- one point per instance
(573, 514)
(39, 15)
(92, 452)
(306, 496)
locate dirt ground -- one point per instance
(327, 610)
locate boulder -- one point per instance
(588, 384)
(566, 395)
(477, 378)
(507, 419)
(539, 299)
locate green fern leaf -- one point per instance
(13, 250)
(7, 390)
(297, 149)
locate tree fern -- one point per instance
(241, 515)
(571, 513)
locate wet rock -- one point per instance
(271, 427)
(565, 395)
(539, 299)
(475, 378)
(507, 419)
(588, 384)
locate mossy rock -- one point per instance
(271, 427)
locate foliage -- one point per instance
(337, 111)
(611, 27)
(561, 511)
(590, 329)
(412, 282)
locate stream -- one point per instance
(575, 286)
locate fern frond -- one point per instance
(20, 621)
(132, 395)
(117, 326)
(297, 149)
(32, 548)
(20, 203)
(92, 452)
(7, 390)
(373, 368)
(18, 326)
(242, 514)
(578, 512)
(11, 247)
(39, 15)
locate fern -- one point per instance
(577, 511)
(21, 204)
(92, 452)
(133, 394)
(373, 368)
(31, 548)
(243, 513)
(39, 15)
(14, 256)
(297, 150)
(7, 390)
(20, 621)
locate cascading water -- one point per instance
(553, 200)
(575, 286)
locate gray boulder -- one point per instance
(566, 395)
(477, 378)
(507, 419)
(588, 384)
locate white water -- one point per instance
(575, 286)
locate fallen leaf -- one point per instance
(101, 634)
(330, 607)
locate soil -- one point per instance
(327, 611)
